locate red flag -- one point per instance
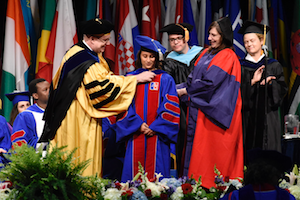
(151, 18)
(179, 11)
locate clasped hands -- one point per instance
(144, 129)
(257, 76)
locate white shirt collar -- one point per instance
(250, 58)
(87, 45)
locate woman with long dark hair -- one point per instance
(214, 132)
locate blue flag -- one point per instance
(31, 40)
(189, 18)
(233, 11)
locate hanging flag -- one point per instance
(279, 33)
(104, 11)
(31, 40)
(169, 18)
(43, 65)
(189, 18)
(294, 89)
(204, 23)
(63, 33)
(233, 11)
(90, 9)
(151, 19)
(127, 28)
(34, 5)
(261, 16)
(16, 56)
(217, 9)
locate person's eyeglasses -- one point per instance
(105, 41)
(171, 40)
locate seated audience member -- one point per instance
(265, 169)
(29, 124)
(151, 123)
(20, 102)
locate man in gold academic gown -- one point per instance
(84, 90)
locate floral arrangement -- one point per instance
(56, 176)
(293, 185)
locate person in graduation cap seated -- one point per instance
(84, 91)
(151, 123)
(29, 124)
(253, 91)
(264, 170)
(20, 102)
(179, 63)
(215, 119)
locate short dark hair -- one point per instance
(32, 85)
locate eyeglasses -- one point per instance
(172, 40)
(104, 41)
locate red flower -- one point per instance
(152, 179)
(186, 188)
(226, 179)
(163, 196)
(148, 193)
(118, 185)
(221, 188)
(128, 193)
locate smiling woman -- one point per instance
(214, 123)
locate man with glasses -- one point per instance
(179, 63)
(84, 90)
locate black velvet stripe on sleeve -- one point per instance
(102, 92)
(96, 83)
(109, 99)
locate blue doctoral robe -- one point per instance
(157, 104)
(28, 126)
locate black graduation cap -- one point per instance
(97, 26)
(226, 28)
(17, 96)
(282, 162)
(253, 27)
(177, 28)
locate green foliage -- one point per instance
(55, 176)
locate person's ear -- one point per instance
(35, 96)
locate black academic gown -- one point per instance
(254, 105)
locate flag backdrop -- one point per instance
(294, 89)
(151, 19)
(31, 40)
(127, 28)
(233, 11)
(205, 21)
(16, 57)
(63, 33)
(43, 65)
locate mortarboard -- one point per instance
(226, 28)
(180, 29)
(150, 44)
(252, 27)
(97, 26)
(17, 96)
(282, 162)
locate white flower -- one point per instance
(178, 194)
(292, 176)
(112, 194)
(295, 190)
(155, 189)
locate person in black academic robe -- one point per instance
(262, 130)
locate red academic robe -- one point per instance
(214, 88)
